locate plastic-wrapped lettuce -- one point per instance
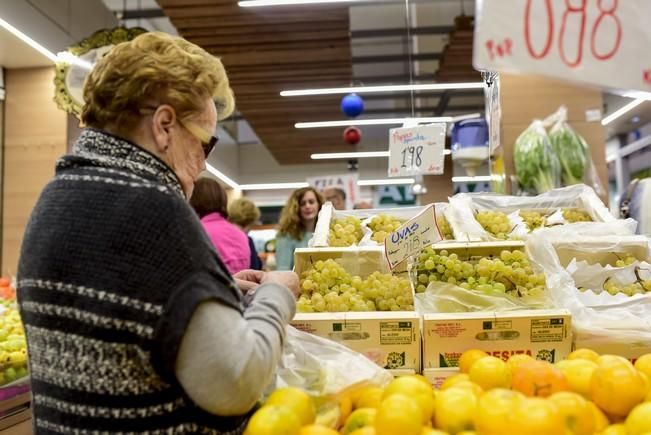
(536, 165)
(571, 149)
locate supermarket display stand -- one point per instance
(15, 415)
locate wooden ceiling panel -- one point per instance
(266, 50)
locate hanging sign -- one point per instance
(416, 150)
(601, 42)
(413, 236)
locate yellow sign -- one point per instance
(414, 235)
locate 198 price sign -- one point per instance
(596, 41)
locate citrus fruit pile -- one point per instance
(585, 394)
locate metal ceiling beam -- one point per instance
(396, 58)
(427, 94)
(401, 31)
(134, 14)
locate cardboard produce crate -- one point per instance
(630, 351)
(543, 334)
(391, 339)
(436, 377)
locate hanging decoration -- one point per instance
(352, 135)
(352, 105)
(77, 61)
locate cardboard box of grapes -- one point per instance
(350, 296)
(543, 334)
(488, 217)
(344, 228)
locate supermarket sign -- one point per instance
(416, 150)
(600, 42)
(413, 236)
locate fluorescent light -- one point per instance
(67, 57)
(384, 88)
(29, 41)
(475, 179)
(637, 94)
(356, 155)
(386, 182)
(377, 121)
(619, 112)
(272, 186)
(217, 173)
(259, 3)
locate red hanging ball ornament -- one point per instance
(352, 135)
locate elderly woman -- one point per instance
(133, 323)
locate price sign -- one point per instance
(414, 235)
(416, 150)
(601, 42)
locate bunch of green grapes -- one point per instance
(533, 219)
(626, 261)
(327, 287)
(13, 347)
(495, 222)
(444, 227)
(345, 231)
(509, 273)
(637, 287)
(382, 225)
(576, 215)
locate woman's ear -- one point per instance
(162, 122)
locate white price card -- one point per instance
(601, 42)
(413, 236)
(416, 150)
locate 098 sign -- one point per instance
(598, 41)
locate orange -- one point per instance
(368, 430)
(614, 429)
(455, 410)
(583, 353)
(468, 358)
(417, 391)
(539, 378)
(369, 398)
(460, 377)
(315, 429)
(578, 415)
(295, 400)
(476, 389)
(494, 411)
(398, 414)
(467, 432)
(517, 360)
(359, 418)
(273, 420)
(638, 421)
(578, 373)
(430, 431)
(424, 380)
(600, 420)
(611, 359)
(345, 408)
(536, 416)
(643, 364)
(490, 372)
(616, 387)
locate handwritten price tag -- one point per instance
(412, 236)
(416, 150)
(602, 42)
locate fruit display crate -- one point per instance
(14, 410)
(542, 334)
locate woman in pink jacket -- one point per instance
(210, 202)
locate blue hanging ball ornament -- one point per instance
(352, 105)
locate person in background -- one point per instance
(362, 205)
(133, 323)
(209, 201)
(297, 223)
(244, 213)
(336, 196)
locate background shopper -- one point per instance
(244, 213)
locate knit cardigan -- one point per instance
(113, 264)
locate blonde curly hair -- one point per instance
(154, 67)
(290, 217)
(243, 212)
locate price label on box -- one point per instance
(602, 42)
(416, 150)
(414, 235)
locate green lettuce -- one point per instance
(536, 165)
(572, 151)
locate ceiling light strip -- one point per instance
(622, 111)
(29, 41)
(263, 3)
(378, 121)
(273, 186)
(384, 88)
(386, 182)
(475, 179)
(354, 155)
(223, 177)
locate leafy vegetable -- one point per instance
(572, 151)
(536, 165)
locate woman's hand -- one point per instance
(248, 279)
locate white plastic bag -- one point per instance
(322, 367)
(596, 318)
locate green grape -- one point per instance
(444, 227)
(495, 222)
(382, 225)
(346, 231)
(576, 215)
(533, 219)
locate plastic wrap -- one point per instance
(597, 317)
(551, 205)
(322, 367)
(536, 165)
